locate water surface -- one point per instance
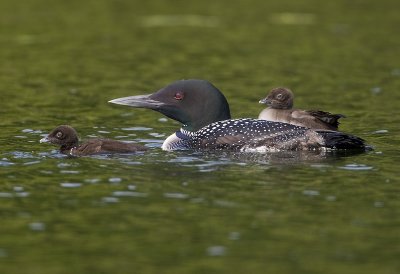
(185, 212)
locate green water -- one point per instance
(163, 212)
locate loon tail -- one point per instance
(340, 140)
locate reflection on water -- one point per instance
(213, 159)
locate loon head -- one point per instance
(279, 98)
(64, 136)
(194, 103)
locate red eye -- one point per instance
(178, 96)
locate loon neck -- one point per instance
(177, 140)
(198, 119)
(67, 147)
(184, 133)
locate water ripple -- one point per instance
(380, 131)
(115, 180)
(188, 20)
(121, 136)
(5, 162)
(6, 195)
(22, 194)
(136, 128)
(31, 131)
(129, 194)
(223, 203)
(37, 226)
(110, 200)
(330, 198)
(290, 18)
(217, 250)
(176, 195)
(70, 185)
(92, 181)
(311, 192)
(63, 165)
(22, 155)
(31, 163)
(376, 90)
(157, 135)
(356, 167)
(395, 72)
(379, 204)
(18, 188)
(234, 235)
(69, 171)
(197, 200)
(3, 253)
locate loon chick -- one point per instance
(280, 109)
(67, 138)
(206, 123)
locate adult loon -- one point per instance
(280, 109)
(206, 123)
(67, 138)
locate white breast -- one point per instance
(268, 114)
(168, 143)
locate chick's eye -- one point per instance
(178, 96)
(279, 96)
(59, 134)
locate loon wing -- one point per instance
(96, 146)
(109, 145)
(262, 135)
(88, 148)
(331, 120)
(250, 133)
